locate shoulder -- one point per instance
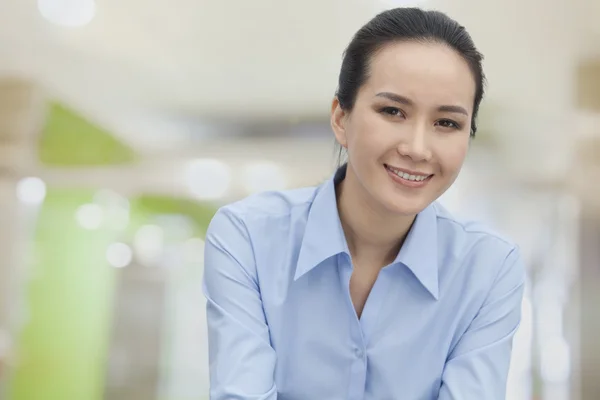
(254, 226)
(462, 232)
(264, 208)
(476, 248)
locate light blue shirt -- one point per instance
(438, 323)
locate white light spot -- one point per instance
(119, 255)
(116, 209)
(31, 190)
(208, 179)
(148, 243)
(263, 176)
(90, 216)
(69, 13)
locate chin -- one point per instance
(402, 206)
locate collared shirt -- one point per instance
(438, 323)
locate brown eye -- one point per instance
(392, 111)
(446, 123)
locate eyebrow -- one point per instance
(406, 101)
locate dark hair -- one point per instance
(406, 24)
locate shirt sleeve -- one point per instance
(477, 368)
(241, 359)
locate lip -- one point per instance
(406, 182)
(407, 171)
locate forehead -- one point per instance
(425, 72)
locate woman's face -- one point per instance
(408, 133)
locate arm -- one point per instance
(477, 367)
(242, 361)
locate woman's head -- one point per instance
(409, 90)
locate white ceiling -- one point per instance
(189, 56)
(241, 59)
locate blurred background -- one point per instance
(125, 124)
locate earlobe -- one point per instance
(338, 121)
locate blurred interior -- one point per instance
(125, 124)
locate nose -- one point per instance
(415, 145)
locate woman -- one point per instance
(365, 287)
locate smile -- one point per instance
(408, 178)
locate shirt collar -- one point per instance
(420, 250)
(324, 238)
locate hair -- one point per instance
(400, 25)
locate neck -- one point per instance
(374, 235)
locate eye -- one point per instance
(446, 123)
(392, 111)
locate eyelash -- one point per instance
(453, 125)
(393, 112)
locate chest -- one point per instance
(361, 284)
(388, 350)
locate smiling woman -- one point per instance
(412, 116)
(365, 287)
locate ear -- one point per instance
(338, 123)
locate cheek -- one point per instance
(370, 134)
(359, 137)
(452, 156)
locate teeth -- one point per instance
(417, 178)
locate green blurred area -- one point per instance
(68, 139)
(63, 345)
